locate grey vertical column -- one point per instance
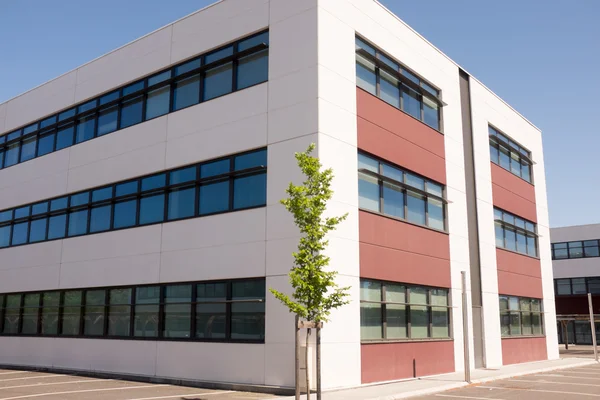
(472, 223)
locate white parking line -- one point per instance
(32, 377)
(14, 372)
(582, 373)
(82, 391)
(567, 377)
(530, 390)
(553, 383)
(183, 395)
(467, 397)
(55, 383)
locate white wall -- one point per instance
(489, 109)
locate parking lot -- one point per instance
(567, 384)
(33, 385)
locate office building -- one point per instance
(576, 265)
(140, 223)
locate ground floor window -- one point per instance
(396, 311)
(521, 316)
(231, 310)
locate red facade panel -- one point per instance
(401, 252)
(518, 275)
(577, 304)
(513, 194)
(392, 361)
(521, 350)
(395, 136)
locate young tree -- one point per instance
(315, 292)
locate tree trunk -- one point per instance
(306, 364)
(318, 362)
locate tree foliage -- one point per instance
(315, 292)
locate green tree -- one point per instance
(316, 293)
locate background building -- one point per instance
(576, 265)
(140, 222)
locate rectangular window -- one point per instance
(178, 311)
(93, 314)
(107, 121)
(28, 149)
(514, 233)
(391, 311)
(31, 313)
(211, 310)
(248, 310)
(45, 145)
(187, 93)
(575, 249)
(218, 81)
(50, 302)
(237, 182)
(86, 128)
(387, 189)
(563, 287)
(71, 313)
(147, 300)
(520, 316)
(157, 103)
(119, 312)
(12, 314)
(253, 69)
(64, 138)
(509, 155)
(131, 112)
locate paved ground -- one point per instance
(568, 384)
(23, 385)
(578, 351)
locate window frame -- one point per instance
(382, 61)
(512, 227)
(137, 195)
(568, 245)
(520, 312)
(382, 179)
(91, 109)
(407, 310)
(134, 288)
(498, 140)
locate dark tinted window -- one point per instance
(218, 81)
(157, 103)
(107, 121)
(85, 129)
(64, 138)
(187, 92)
(131, 113)
(152, 209)
(46, 144)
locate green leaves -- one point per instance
(315, 292)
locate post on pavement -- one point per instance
(593, 326)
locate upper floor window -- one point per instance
(510, 155)
(385, 78)
(395, 311)
(569, 286)
(515, 233)
(521, 316)
(387, 189)
(234, 67)
(232, 183)
(578, 249)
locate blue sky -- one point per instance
(541, 56)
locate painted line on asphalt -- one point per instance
(467, 397)
(32, 377)
(553, 383)
(567, 377)
(184, 395)
(82, 391)
(55, 383)
(15, 372)
(582, 373)
(532, 390)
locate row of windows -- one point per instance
(578, 249)
(568, 286)
(234, 67)
(232, 183)
(395, 311)
(514, 233)
(379, 75)
(387, 189)
(521, 316)
(509, 155)
(221, 311)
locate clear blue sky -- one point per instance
(541, 56)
